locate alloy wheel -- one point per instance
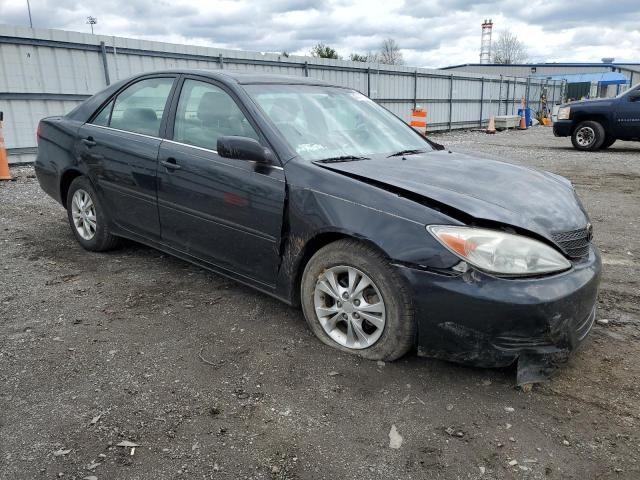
(349, 307)
(585, 136)
(83, 212)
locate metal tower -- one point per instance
(485, 44)
(92, 21)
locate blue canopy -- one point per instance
(602, 78)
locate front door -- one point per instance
(628, 116)
(120, 146)
(225, 212)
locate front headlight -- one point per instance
(499, 252)
(564, 113)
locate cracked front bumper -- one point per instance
(481, 320)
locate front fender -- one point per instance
(402, 238)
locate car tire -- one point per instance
(87, 218)
(608, 142)
(588, 136)
(385, 334)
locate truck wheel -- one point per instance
(588, 136)
(608, 142)
(355, 301)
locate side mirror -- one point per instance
(244, 148)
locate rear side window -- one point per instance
(138, 108)
(206, 113)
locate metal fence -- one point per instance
(48, 72)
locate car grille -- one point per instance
(574, 243)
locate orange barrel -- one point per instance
(419, 120)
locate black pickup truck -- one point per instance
(596, 124)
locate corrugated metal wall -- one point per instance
(525, 70)
(48, 72)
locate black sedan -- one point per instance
(316, 195)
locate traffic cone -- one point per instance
(492, 125)
(523, 122)
(4, 162)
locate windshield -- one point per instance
(327, 122)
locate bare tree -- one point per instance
(508, 49)
(324, 51)
(390, 53)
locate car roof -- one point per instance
(230, 77)
(246, 78)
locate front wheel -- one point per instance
(355, 301)
(588, 136)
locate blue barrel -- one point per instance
(527, 116)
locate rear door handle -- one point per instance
(89, 142)
(170, 164)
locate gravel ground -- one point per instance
(213, 380)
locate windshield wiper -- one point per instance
(343, 158)
(406, 152)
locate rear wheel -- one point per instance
(355, 301)
(588, 136)
(87, 218)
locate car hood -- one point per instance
(592, 101)
(482, 188)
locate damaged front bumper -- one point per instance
(486, 321)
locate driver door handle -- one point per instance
(89, 142)
(170, 164)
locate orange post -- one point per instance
(419, 120)
(4, 162)
(491, 128)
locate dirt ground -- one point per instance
(213, 380)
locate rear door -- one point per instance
(223, 211)
(628, 117)
(120, 145)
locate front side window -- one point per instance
(630, 91)
(104, 116)
(206, 113)
(325, 122)
(138, 108)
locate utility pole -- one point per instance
(92, 21)
(29, 10)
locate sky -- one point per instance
(431, 33)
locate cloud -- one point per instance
(430, 32)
